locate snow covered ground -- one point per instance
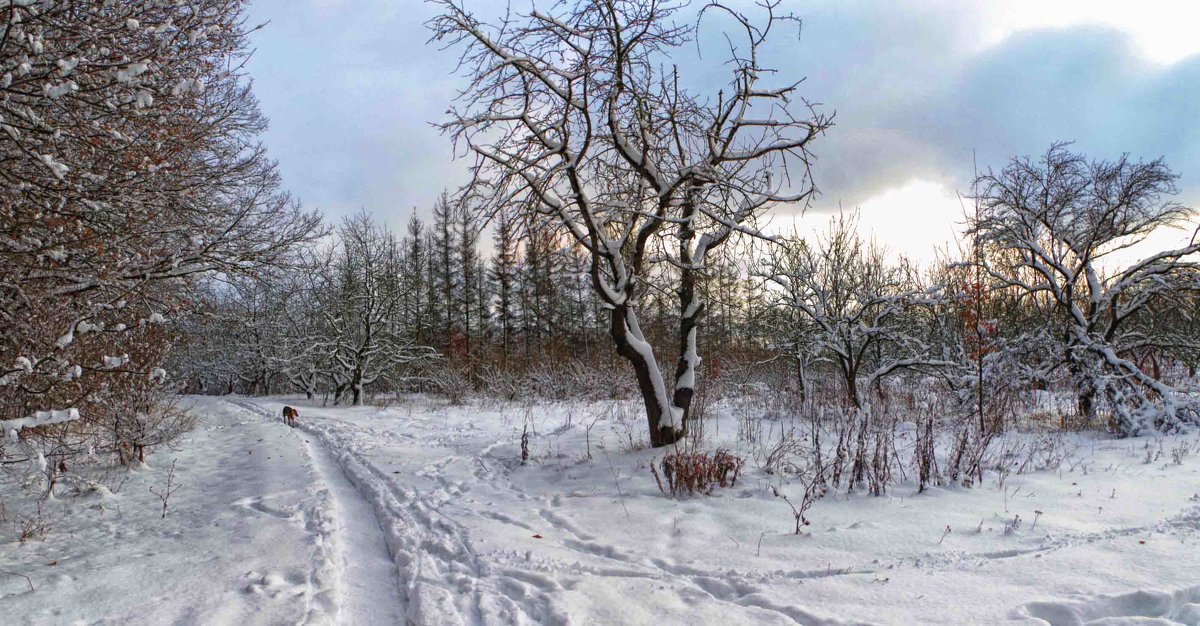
(422, 510)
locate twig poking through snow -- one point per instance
(525, 443)
(27, 580)
(616, 482)
(166, 493)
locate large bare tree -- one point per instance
(578, 112)
(1062, 223)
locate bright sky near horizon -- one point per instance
(921, 89)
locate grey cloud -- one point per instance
(1083, 85)
(352, 89)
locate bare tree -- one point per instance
(1064, 219)
(360, 301)
(576, 113)
(850, 307)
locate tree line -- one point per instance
(1028, 304)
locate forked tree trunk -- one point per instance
(850, 375)
(632, 345)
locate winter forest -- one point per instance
(626, 363)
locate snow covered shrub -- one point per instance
(167, 491)
(1019, 454)
(559, 378)
(625, 426)
(699, 472)
(500, 382)
(161, 423)
(782, 457)
(925, 454)
(1178, 452)
(567, 379)
(451, 382)
(34, 526)
(702, 407)
(863, 452)
(118, 414)
(968, 453)
(812, 492)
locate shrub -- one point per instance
(700, 472)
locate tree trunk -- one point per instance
(356, 389)
(338, 391)
(800, 382)
(690, 309)
(852, 388)
(1087, 402)
(631, 345)
(1086, 396)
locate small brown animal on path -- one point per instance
(290, 415)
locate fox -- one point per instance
(290, 415)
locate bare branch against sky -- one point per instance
(920, 90)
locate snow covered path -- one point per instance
(444, 580)
(368, 588)
(580, 535)
(264, 529)
(369, 591)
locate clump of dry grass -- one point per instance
(699, 472)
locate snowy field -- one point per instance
(424, 512)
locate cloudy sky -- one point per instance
(920, 88)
